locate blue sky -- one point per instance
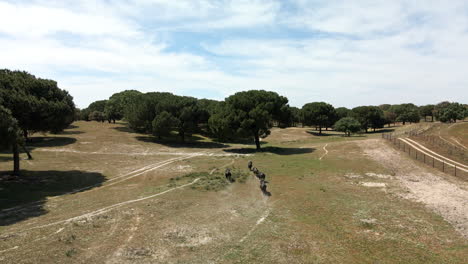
(347, 53)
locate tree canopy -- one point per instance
(249, 114)
(369, 117)
(319, 114)
(406, 113)
(34, 104)
(348, 125)
(452, 112)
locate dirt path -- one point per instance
(326, 151)
(259, 221)
(117, 255)
(457, 143)
(113, 181)
(446, 195)
(102, 210)
(433, 154)
(145, 153)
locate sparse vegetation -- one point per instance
(210, 181)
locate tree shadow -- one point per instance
(383, 130)
(191, 142)
(65, 132)
(124, 129)
(319, 135)
(270, 149)
(29, 191)
(5, 159)
(41, 142)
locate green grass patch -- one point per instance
(215, 181)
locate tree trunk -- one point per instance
(320, 130)
(16, 160)
(113, 120)
(366, 129)
(432, 118)
(374, 129)
(182, 136)
(25, 135)
(404, 122)
(27, 152)
(257, 140)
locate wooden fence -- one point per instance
(427, 159)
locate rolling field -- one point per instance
(99, 193)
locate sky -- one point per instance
(347, 53)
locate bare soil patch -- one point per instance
(446, 195)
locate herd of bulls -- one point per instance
(260, 175)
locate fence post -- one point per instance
(433, 162)
(443, 166)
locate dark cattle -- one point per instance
(261, 176)
(255, 170)
(228, 175)
(249, 165)
(263, 187)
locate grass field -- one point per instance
(99, 193)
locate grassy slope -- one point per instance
(315, 213)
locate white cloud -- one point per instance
(37, 21)
(367, 52)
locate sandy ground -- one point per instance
(444, 194)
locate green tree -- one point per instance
(342, 112)
(219, 123)
(348, 125)
(206, 108)
(427, 110)
(37, 105)
(251, 113)
(99, 106)
(97, 116)
(369, 117)
(438, 107)
(10, 136)
(406, 113)
(163, 124)
(319, 114)
(116, 105)
(296, 115)
(389, 117)
(452, 112)
(385, 107)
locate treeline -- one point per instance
(29, 105)
(252, 114)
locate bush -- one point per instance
(348, 125)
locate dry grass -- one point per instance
(318, 212)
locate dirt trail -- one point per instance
(113, 181)
(117, 255)
(434, 155)
(444, 194)
(457, 143)
(102, 210)
(259, 221)
(326, 151)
